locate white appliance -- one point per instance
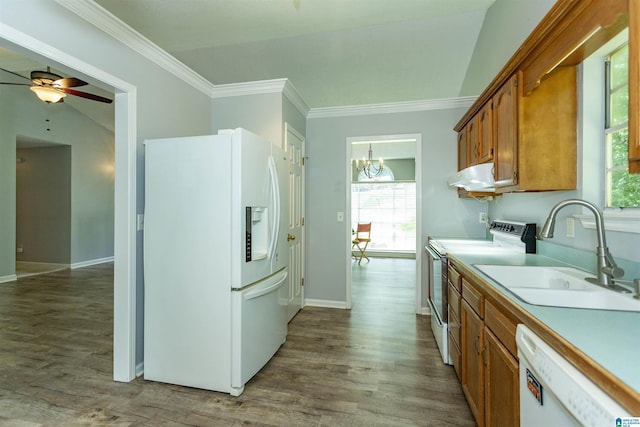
(215, 258)
(554, 393)
(508, 237)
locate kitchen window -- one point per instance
(603, 167)
(622, 190)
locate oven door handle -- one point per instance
(432, 253)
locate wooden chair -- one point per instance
(361, 241)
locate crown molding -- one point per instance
(282, 86)
(392, 107)
(249, 88)
(101, 18)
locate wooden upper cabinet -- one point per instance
(485, 133)
(570, 32)
(547, 134)
(462, 149)
(472, 142)
(505, 133)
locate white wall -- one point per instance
(443, 213)
(506, 25)
(260, 114)
(263, 114)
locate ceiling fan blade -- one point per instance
(16, 74)
(69, 82)
(14, 84)
(87, 95)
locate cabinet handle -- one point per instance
(484, 361)
(475, 344)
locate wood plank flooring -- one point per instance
(374, 365)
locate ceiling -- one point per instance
(334, 52)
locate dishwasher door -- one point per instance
(554, 393)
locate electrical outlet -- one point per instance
(570, 227)
(482, 219)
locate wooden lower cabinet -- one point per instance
(472, 364)
(489, 371)
(502, 405)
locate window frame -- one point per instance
(610, 128)
(592, 150)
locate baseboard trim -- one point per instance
(324, 303)
(426, 311)
(139, 369)
(8, 278)
(91, 262)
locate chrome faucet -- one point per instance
(607, 270)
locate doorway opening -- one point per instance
(388, 197)
(125, 304)
(43, 207)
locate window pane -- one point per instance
(619, 148)
(391, 209)
(620, 67)
(619, 106)
(625, 189)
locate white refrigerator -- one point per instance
(215, 258)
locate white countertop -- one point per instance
(610, 338)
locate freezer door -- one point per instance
(259, 327)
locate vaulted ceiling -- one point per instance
(335, 52)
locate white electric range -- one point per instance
(508, 237)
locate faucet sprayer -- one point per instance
(607, 270)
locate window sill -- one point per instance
(624, 221)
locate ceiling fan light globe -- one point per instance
(48, 94)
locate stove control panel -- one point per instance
(526, 232)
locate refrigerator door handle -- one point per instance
(275, 200)
(259, 291)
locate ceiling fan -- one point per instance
(52, 88)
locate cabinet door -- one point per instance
(502, 396)
(462, 149)
(485, 133)
(505, 133)
(472, 365)
(472, 141)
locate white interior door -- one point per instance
(295, 233)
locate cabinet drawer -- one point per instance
(502, 327)
(455, 278)
(454, 327)
(473, 297)
(454, 300)
(456, 356)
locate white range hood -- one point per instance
(474, 178)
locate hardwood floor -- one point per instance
(374, 365)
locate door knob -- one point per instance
(290, 237)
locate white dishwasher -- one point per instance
(554, 393)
